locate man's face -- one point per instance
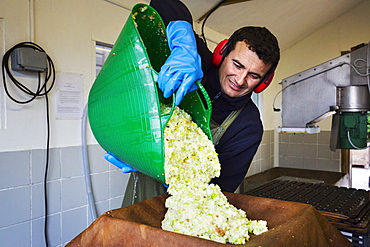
(241, 71)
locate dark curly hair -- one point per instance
(260, 40)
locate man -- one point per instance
(251, 54)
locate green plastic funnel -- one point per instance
(124, 101)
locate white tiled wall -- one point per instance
(22, 194)
(308, 151)
(303, 151)
(264, 158)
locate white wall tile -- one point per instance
(73, 222)
(116, 202)
(73, 193)
(38, 237)
(17, 235)
(96, 159)
(71, 160)
(38, 163)
(100, 186)
(15, 206)
(118, 183)
(14, 169)
(53, 231)
(53, 197)
(102, 207)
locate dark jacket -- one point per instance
(239, 144)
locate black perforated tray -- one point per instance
(346, 207)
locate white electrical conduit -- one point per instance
(85, 160)
(31, 20)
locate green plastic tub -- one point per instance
(124, 101)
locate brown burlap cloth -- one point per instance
(290, 224)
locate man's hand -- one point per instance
(115, 161)
(183, 67)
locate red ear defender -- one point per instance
(218, 52)
(264, 83)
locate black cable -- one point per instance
(208, 15)
(42, 90)
(46, 165)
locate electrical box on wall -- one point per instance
(29, 59)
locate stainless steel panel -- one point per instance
(316, 93)
(311, 93)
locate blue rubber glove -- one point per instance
(183, 67)
(125, 167)
(115, 161)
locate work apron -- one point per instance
(141, 187)
(219, 130)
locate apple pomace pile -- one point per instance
(196, 207)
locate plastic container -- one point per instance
(124, 101)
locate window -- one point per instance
(255, 98)
(101, 52)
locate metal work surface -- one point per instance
(345, 207)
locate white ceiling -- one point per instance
(289, 20)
